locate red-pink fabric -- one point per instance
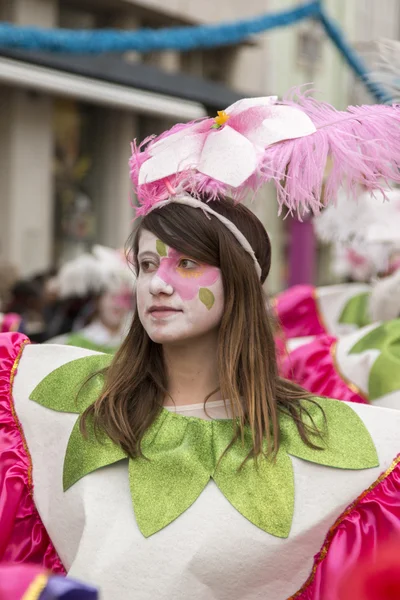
(312, 366)
(23, 537)
(377, 578)
(10, 322)
(15, 579)
(297, 311)
(358, 535)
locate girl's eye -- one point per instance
(147, 266)
(186, 263)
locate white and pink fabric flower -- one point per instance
(226, 151)
(257, 140)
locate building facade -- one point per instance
(303, 54)
(67, 122)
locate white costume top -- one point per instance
(211, 550)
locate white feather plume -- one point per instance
(104, 269)
(384, 301)
(385, 67)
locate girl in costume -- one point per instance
(187, 445)
(106, 278)
(365, 251)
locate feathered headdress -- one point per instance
(385, 67)
(104, 269)
(373, 217)
(365, 233)
(258, 140)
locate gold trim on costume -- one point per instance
(35, 588)
(14, 414)
(352, 386)
(318, 310)
(329, 537)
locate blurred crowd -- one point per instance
(87, 302)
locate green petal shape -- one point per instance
(346, 441)
(85, 455)
(261, 489)
(176, 468)
(161, 248)
(355, 311)
(207, 297)
(182, 453)
(59, 390)
(384, 376)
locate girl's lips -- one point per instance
(162, 312)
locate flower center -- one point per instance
(221, 118)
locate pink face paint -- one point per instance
(186, 282)
(193, 291)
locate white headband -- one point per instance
(188, 200)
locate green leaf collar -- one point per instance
(184, 453)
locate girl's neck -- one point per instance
(192, 371)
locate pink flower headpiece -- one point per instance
(257, 140)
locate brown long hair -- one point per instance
(136, 382)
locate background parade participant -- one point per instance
(104, 282)
(366, 243)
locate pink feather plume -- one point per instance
(361, 145)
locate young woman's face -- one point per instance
(178, 298)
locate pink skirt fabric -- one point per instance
(297, 312)
(313, 366)
(359, 533)
(23, 536)
(371, 520)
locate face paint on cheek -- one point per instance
(161, 248)
(186, 282)
(207, 298)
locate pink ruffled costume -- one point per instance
(355, 534)
(362, 366)
(305, 310)
(23, 536)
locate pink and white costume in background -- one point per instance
(342, 340)
(366, 245)
(305, 310)
(104, 273)
(362, 366)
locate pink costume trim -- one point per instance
(23, 536)
(360, 531)
(313, 366)
(10, 322)
(22, 581)
(298, 312)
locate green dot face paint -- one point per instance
(161, 248)
(207, 297)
